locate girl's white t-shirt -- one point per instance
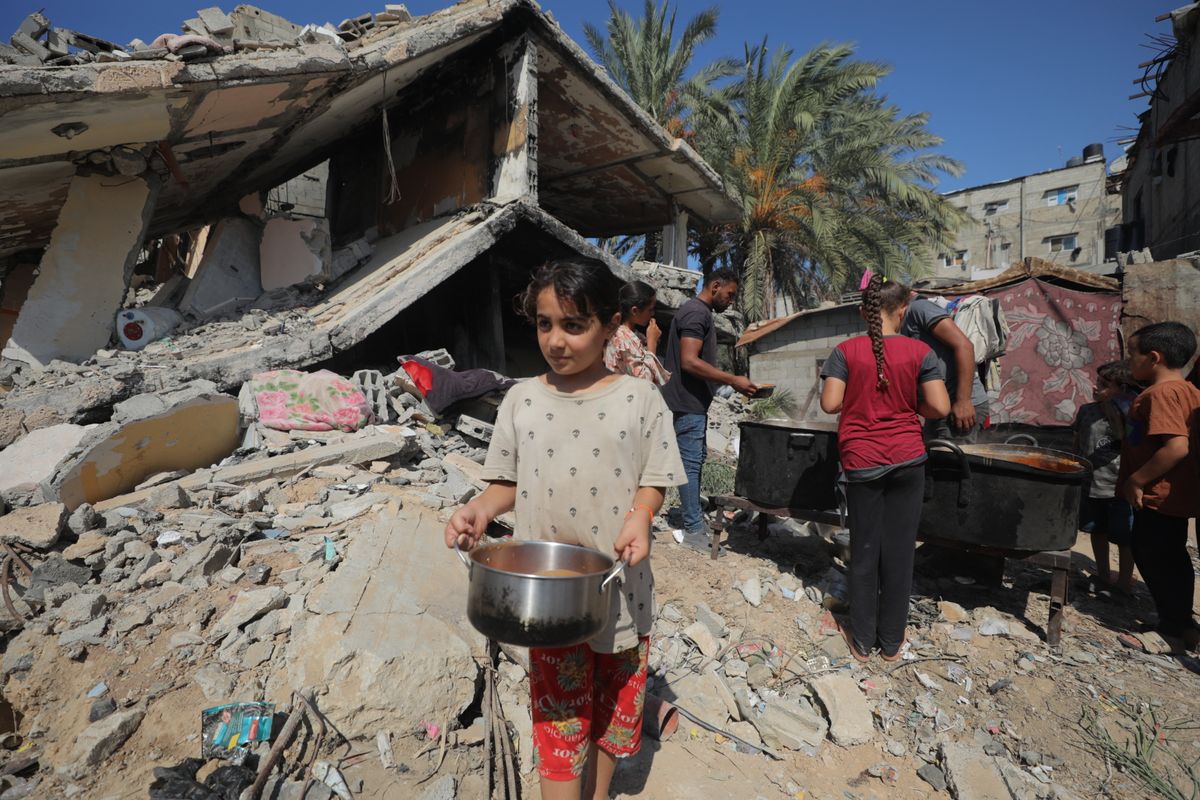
(578, 460)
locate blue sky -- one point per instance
(1012, 87)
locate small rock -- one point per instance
(993, 626)
(249, 606)
(83, 519)
(933, 776)
(257, 653)
(736, 668)
(230, 575)
(446, 788)
(131, 615)
(90, 633)
(185, 639)
(751, 589)
(214, 683)
(259, 573)
(1030, 758)
(962, 633)
(89, 544)
(171, 495)
(896, 748)
(760, 675)
(82, 607)
(952, 612)
(101, 709)
(101, 739)
(711, 620)
(700, 635)
(971, 775)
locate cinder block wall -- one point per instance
(788, 357)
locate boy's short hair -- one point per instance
(1174, 340)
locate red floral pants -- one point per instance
(579, 697)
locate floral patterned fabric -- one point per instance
(289, 400)
(1058, 338)
(580, 696)
(625, 353)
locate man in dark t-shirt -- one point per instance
(934, 326)
(691, 358)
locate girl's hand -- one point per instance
(466, 526)
(633, 544)
(653, 334)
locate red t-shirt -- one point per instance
(881, 428)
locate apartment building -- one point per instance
(1059, 215)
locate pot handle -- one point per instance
(462, 556)
(614, 572)
(964, 467)
(1018, 436)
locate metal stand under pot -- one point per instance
(1002, 501)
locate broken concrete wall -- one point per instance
(150, 433)
(27, 463)
(293, 251)
(303, 195)
(1160, 291)
(227, 274)
(85, 271)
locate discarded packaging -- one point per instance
(227, 730)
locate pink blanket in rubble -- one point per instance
(289, 400)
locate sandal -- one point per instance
(896, 656)
(1151, 643)
(854, 651)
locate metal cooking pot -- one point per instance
(511, 599)
(1005, 496)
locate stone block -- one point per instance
(35, 526)
(971, 774)
(25, 464)
(101, 739)
(850, 719)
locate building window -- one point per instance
(1061, 196)
(1060, 243)
(956, 259)
(995, 206)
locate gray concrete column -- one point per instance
(85, 271)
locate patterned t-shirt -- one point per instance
(626, 354)
(578, 460)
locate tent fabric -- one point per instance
(1058, 338)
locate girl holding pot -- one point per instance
(584, 457)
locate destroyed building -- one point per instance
(459, 149)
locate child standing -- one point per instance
(1107, 518)
(1158, 474)
(628, 351)
(584, 456)
(881, 383)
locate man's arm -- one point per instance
(691, 363)
(1173, 450)
(962, 410)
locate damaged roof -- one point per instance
(230, 124)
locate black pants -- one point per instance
(1160, 552)
(884, 514)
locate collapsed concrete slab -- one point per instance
(227, 273)
(85, 271)
(384, 639)
(293, 251)
(35, 526)
(192, 428)
(29, 462)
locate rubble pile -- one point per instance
(37, 42)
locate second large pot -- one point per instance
(512, 599)
(787, 464)
(1006, 496)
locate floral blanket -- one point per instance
(289, 400)
(1058, 338)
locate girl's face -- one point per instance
(1106, 390)
(571, 342)
(641, 315)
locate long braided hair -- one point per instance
(877, 298)
(872, 308)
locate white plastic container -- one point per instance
(138, 327)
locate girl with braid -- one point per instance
(881, 384)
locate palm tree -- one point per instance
(644, 58)
(831, 179)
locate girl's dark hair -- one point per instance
(585, 283)
(635, 294)
(1119, 373)
(877, 298)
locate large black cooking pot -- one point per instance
(1008, 496)
(787, 464)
